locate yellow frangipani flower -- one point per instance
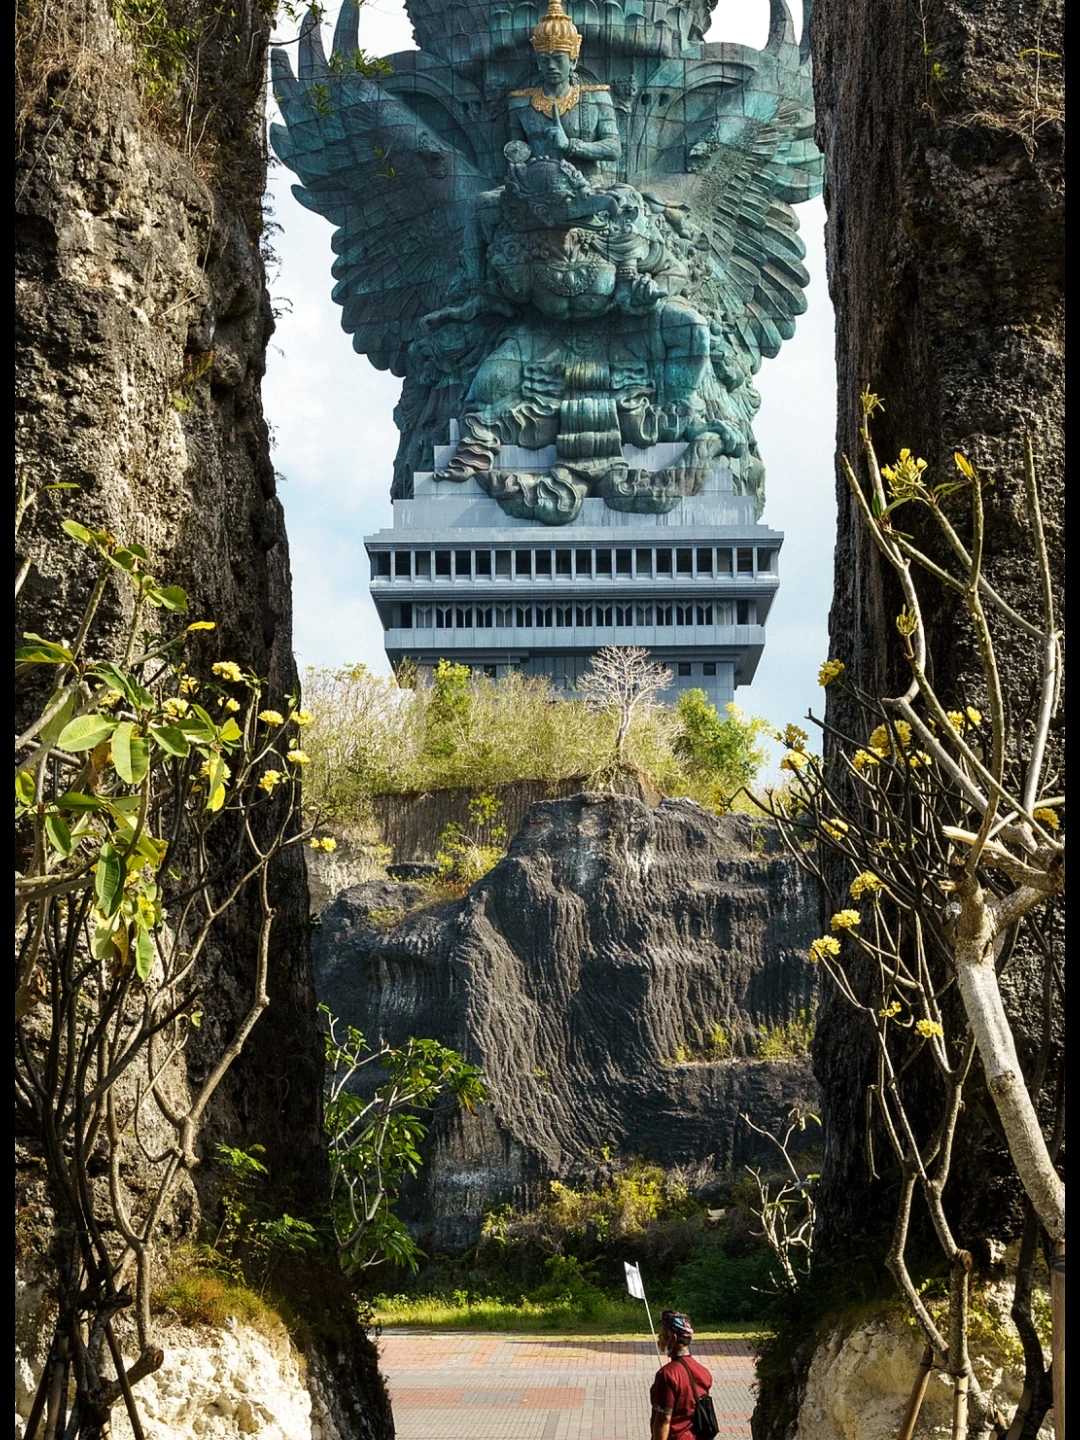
(835, 828)
(864, 759)
(826, 947)
(865, 883)
(227, 669)
(928, 1028)
(831, 670)
(1047, 817)
(795, 737)
(794, 760)
(973, 715)
(845, 919)
(881, 741)
(302, 717)
(269, 780)
(298, 757)
(271, 717)
(888, 1011)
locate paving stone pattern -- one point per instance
(534, 1387)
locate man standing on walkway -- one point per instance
(679, 1383)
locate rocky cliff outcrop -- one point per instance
(141, 326)
(608, 942)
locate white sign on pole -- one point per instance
(633, 1280)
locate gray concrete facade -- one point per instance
(457, 578)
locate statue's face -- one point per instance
(554, 68)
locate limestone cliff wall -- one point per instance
(612, 934)
(141, 326)
(945, 196)
(942, 129)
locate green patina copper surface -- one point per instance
(562, 229)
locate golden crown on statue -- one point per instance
(556, 32)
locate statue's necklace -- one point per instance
(547, 104)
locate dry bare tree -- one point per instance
(947, 817)
(620, 680)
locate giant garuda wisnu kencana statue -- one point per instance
(590, 247)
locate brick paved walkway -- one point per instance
(536, 1387)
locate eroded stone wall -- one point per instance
(142, 320)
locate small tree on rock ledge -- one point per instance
(621, 679)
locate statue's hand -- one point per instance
(559, 140)
(644, 295)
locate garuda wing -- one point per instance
(387, 160)
(746, 156)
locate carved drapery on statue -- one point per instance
(590, 249)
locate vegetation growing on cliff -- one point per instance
(373, 735)
(124, 783)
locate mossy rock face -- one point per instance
(613, 932)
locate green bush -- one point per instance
(715, 1287)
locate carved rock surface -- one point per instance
(141, 326)
(611, 934)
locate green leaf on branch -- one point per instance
(103, 941)
(230, 732)
(59, 834)
(42, 652)
(25, 788)
(132, 691)
(77, 532)
(76, 800)
(199, 724)
(130, 754)
(144, 954)
(215, 783)
(84, 732)
(109, 879)
(168, 597)
(171, 739)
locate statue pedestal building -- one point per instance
(572, 235)
(459, 579)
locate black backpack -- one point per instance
(703, 1423)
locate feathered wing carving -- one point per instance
(756, 277)
(747, 157)
(397, 189)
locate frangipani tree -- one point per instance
(946, 815)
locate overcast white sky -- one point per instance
(330, 414)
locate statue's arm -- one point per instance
(606, 145)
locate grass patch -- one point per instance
(611, 1317)
(200, 1295)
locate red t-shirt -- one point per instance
(672, 1390)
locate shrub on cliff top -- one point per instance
(370, 736)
